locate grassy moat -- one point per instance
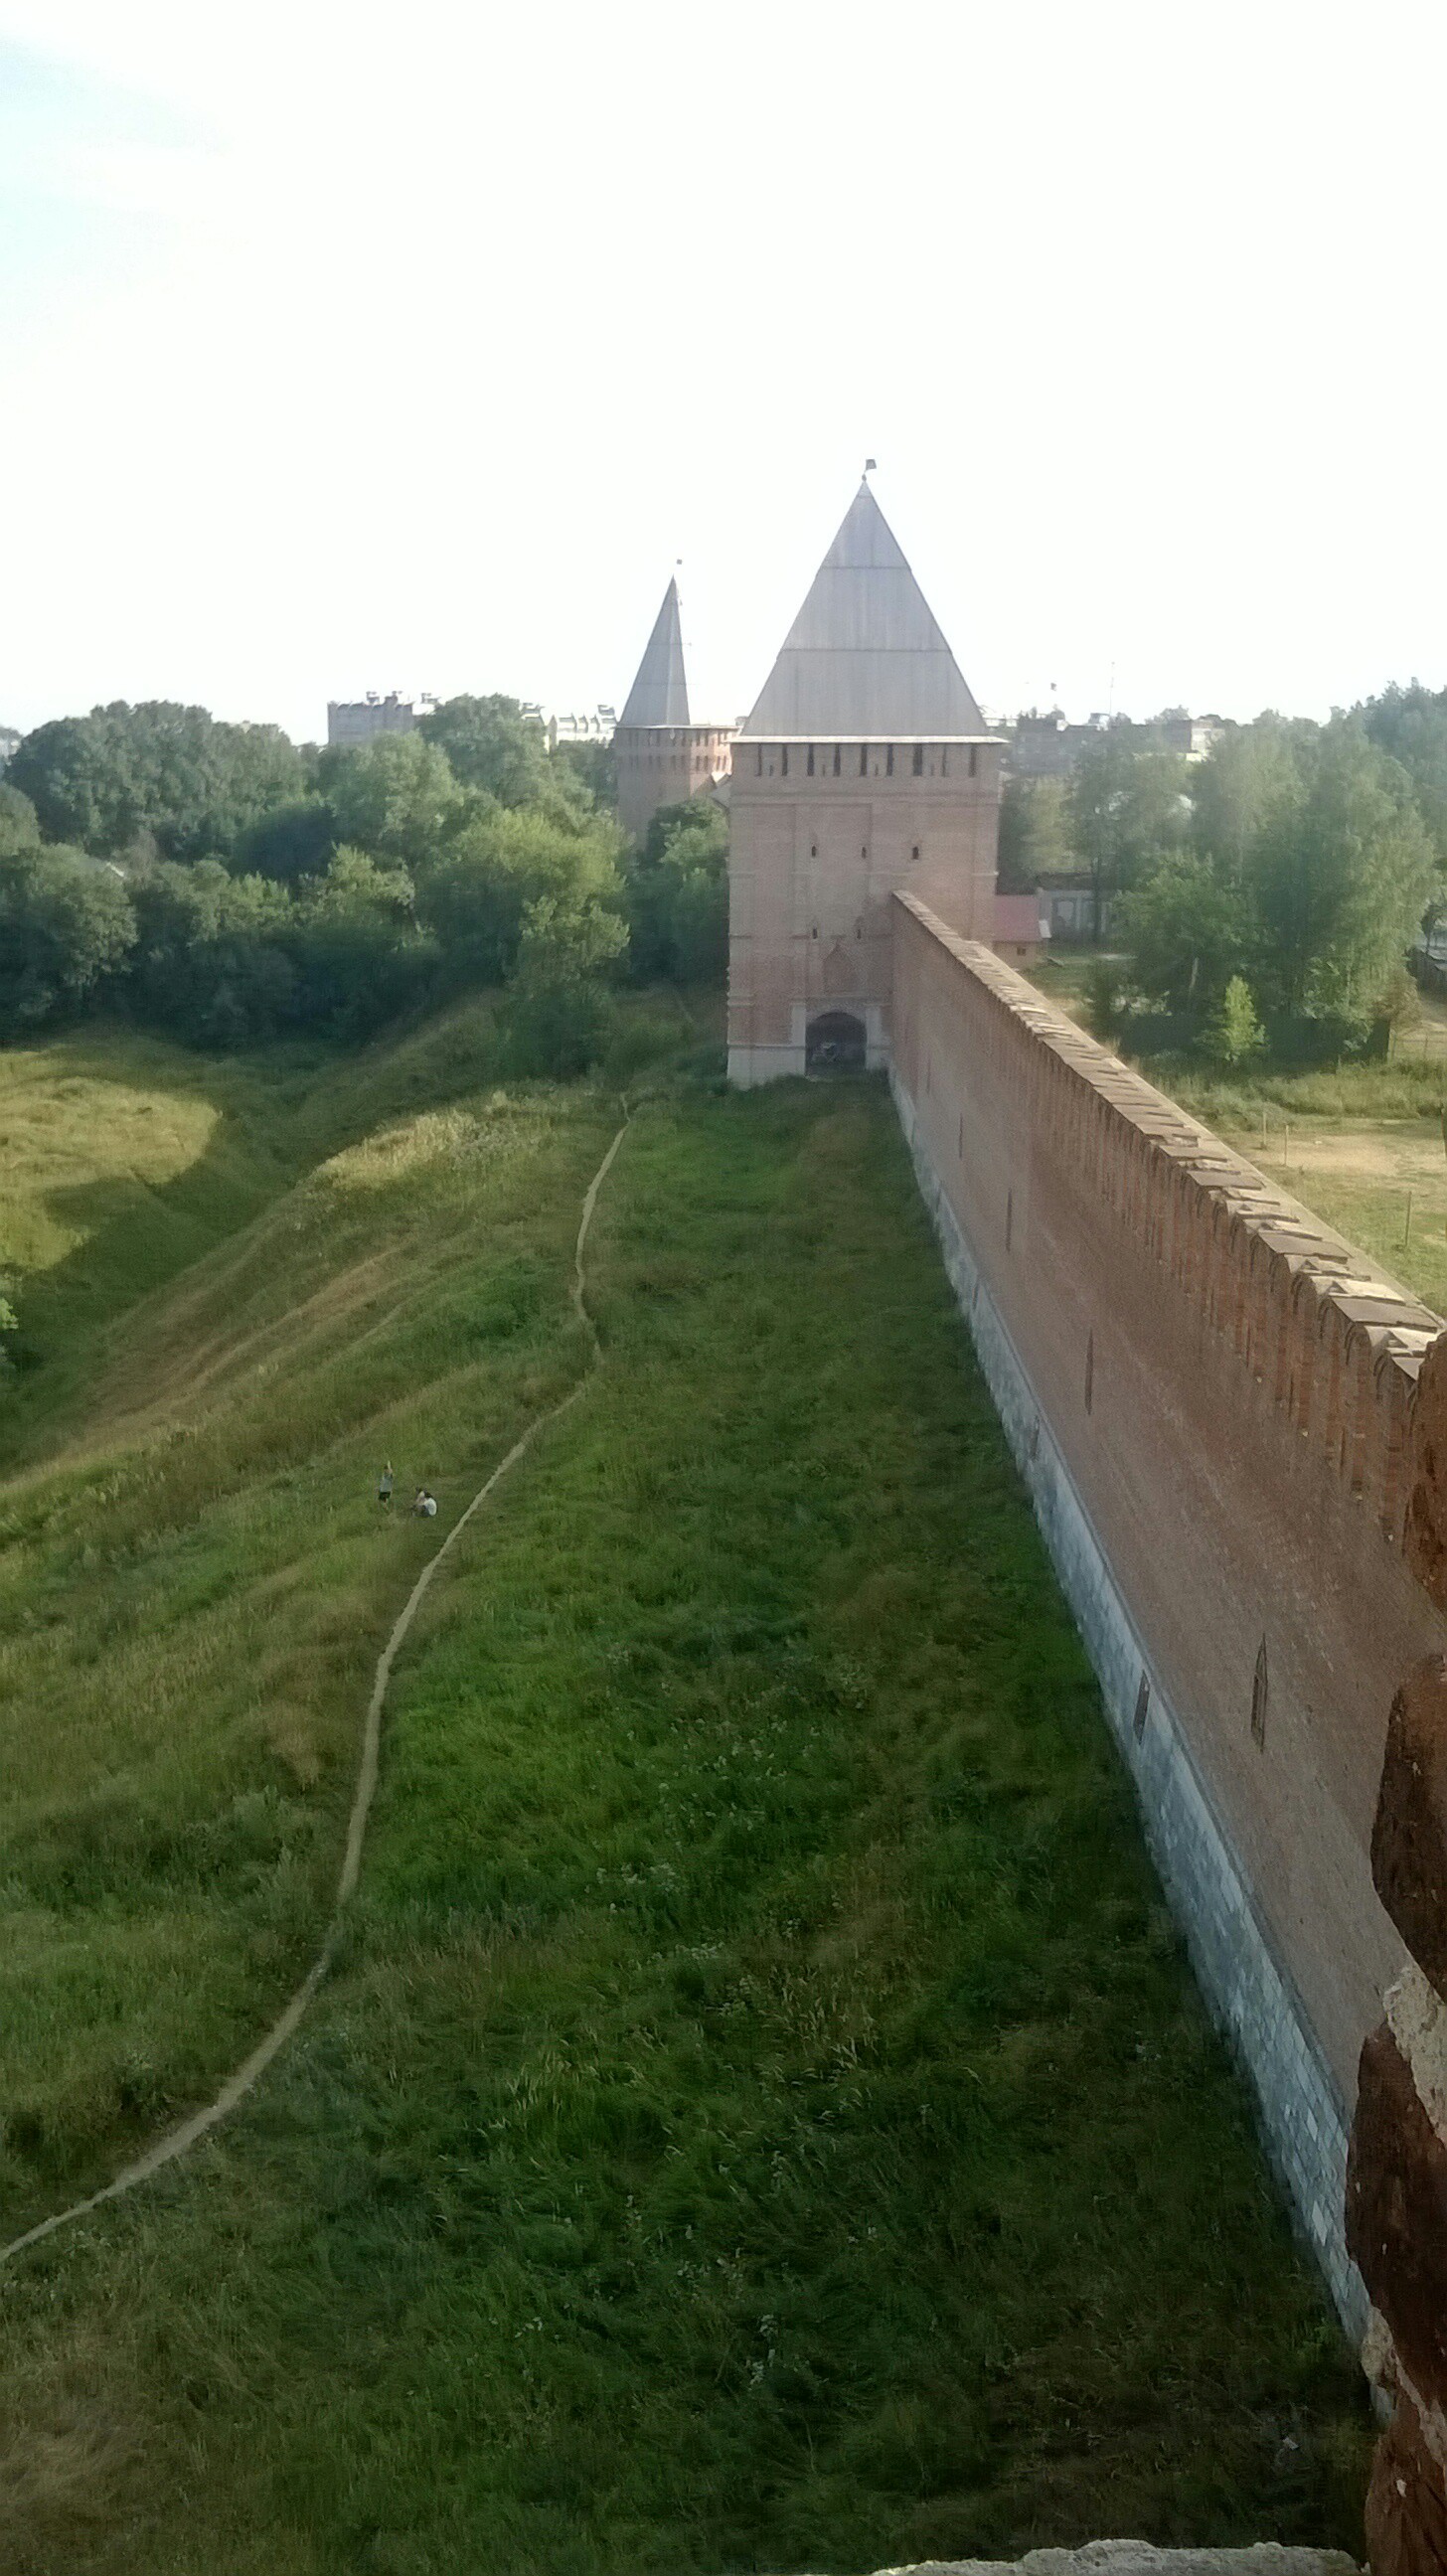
(762, 2117)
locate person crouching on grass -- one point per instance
(425, 1507)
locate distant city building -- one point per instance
(10, 742)
(663, 758)
(597, 726)
(1049, 746)
(353, 721)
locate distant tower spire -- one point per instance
(659, 695)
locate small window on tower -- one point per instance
(944, 764)
(837, 749)
(974, 760)
(889, 762)
(864, 760)
(759, 762)
(914, 853)
(809, 762)
(919, 760)
(784, 761)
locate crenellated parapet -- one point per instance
(1335, 1342)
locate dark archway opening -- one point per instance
(835, 1043)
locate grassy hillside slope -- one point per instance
(762, 2117)
(195, 1577)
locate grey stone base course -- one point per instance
(1138, 2558)
(1303, 2116)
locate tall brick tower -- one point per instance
(663, 759)
(865, 766)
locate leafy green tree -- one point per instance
(1034, 832)
(396, 797)
(492, 746)
(1234, 1033)
(557, 1016)
(677, 895)
(67, 927)
(1187, 931)
(19, 829)
(1128, 808)
(353, 944)
(1245, 777)
(1411, 725)
(475, 897)
(1340, 873)
(211, 962)
(193, 785)
(292, 841)
(595, 767)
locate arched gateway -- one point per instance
(835, 1043)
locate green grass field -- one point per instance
(761, 2117)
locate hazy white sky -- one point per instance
(345, 346)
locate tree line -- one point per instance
(225, 885)
(1277, 883)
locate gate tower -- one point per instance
(865, 766)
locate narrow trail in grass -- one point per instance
(245, 2077)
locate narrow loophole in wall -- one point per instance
(960, 1140)
(809, 761)
(1260, 1692)
(1009, 1213)
(1142, 1708)
(837, 749)
(1089, 1370)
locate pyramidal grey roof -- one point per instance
(659, 695)
(864, 656)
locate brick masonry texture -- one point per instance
(1397, 2212)
(1409, 1840)
(1211, 1399)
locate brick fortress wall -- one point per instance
(1214, 1400)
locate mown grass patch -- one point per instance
(763, 2118)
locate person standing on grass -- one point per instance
(384, 1484)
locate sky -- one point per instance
(345, 347)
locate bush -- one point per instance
(1234, 1033)
(1105, 998)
